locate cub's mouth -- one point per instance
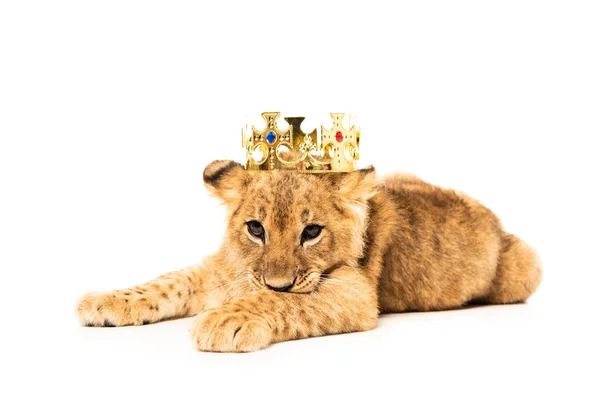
(307, 282)
(304, 283)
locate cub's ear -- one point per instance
(357, 185)
(226, 179)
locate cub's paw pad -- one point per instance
(225, 331)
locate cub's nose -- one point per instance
(280, 286)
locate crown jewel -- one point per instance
(270, 148)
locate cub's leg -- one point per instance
(344, 302)
(518, 274)
(176, 294)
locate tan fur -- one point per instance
(396, 245)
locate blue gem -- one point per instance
(271, 137)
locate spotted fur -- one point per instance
(390, 245)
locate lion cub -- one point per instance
(309, 255)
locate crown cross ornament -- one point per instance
(268, 141)
(334, 150)
(340, 143)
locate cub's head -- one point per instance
(288, 229)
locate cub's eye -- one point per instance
(256, 229)
(311, 232)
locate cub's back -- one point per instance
(443, 250)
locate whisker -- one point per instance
(342, 283)
(237, 281)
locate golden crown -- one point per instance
(334, 150)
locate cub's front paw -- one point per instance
(116, 309)
(228, 331)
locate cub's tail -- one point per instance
(518, 274)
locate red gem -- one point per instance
(338, 136)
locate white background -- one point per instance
(110, 110)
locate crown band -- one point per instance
(334, 150)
